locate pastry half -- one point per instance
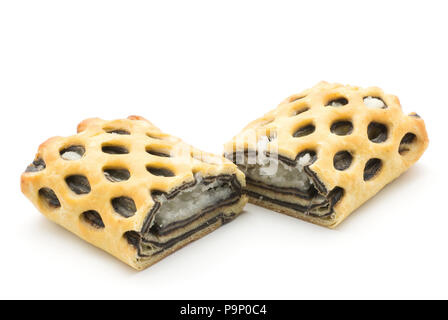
(323, 152)
(131, 190)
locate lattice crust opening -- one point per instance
(100, 184)
(361, 140)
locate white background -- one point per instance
(201, 70)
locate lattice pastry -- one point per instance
(132, 190)
(322, 153)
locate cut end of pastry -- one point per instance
(289, 186)
(323, 152)
(191, 208)
(132, 190)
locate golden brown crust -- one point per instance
(140, 136)
(284, 123)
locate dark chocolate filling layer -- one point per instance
(136, 240)
(326, 207)
(117, 175)
(37, 165)
(286, 191)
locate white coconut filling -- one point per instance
(191, 201)
(336, 104)
(71, 156)
(285, 176)
(372, 102)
